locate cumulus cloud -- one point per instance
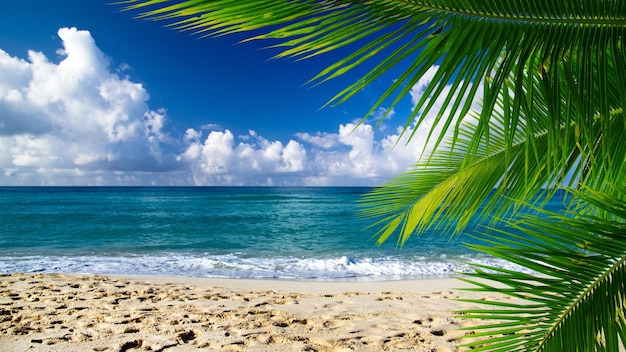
(363, 159)
(61, 122)
(249, 160)
(352, 156)
(78, 121)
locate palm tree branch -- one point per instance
(467, 39)
(419, 198)
(584, 271)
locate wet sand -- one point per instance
(54, 312)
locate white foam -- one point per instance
(240, 266)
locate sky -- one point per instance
(91, 96)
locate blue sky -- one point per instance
(91, 96)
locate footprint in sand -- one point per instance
(186, 336)
(337, 323)
(130, 345)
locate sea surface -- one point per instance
(242, 232)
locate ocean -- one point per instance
(226, 232)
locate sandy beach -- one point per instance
(54, 312)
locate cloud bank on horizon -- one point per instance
(82, 122)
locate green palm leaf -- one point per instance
(572, 49)
(478, 176)
(575, 299)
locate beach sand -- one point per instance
(54, 312)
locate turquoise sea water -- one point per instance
(289, 233)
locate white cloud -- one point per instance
(211, 126)
(79, 122)
(362, 160)
(355, 157)
(321, 139)
(219, 159)
(75, 121)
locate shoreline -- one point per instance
(57, 312)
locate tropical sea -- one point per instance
(227, 232)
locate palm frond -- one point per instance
(572, 49)
(484, 172)
(575, 299)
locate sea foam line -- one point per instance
(239, 266)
